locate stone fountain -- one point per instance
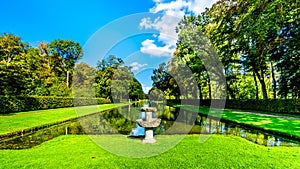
(149, 123)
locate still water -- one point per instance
(122, 121)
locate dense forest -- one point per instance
(237, 49)
(51, 70)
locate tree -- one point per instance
(69, 51)
(262, 34)
(164, 79)
(13, 70)
(115, 81)
(83, 80)
(199, 54)
(135, 90)
(104, 75)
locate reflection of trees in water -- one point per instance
(33, 138)
(139, 103)
(114, 121)
(122, 120)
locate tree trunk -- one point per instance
(68, 74)
(256, 87)
(274, 80)
(209, 88)
(261, 79)
(263, 87)
(200, 92)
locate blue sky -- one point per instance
(141, 32)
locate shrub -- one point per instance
(26, 103)
(276, 106)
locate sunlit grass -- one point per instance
(282, 125)
(23, 120)
(218, 151)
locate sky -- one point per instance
(141, 32)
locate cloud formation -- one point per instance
(137, 66)
(172, 12)
(149, 47)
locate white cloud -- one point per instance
(157, 1)
(185, 6)
(167, 35)
(172, 12)
(146, 23)
(148, 47)
(177, 5)
(146, 88)
(137, 66)
(198, 6)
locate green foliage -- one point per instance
(264, 35)
(43, 71)
(115, 81)
(10, 104)
(135, 90)
(68, 50)
(291, 106)
(13, 68)
(163, 81)
(276, 106)
(256, 41)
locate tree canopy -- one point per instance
(256, 41)
(51, 70)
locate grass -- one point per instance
(282, 125)
(14, 122)
(79, 151)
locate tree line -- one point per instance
(248, 48)
(51, 69)
(110, 79)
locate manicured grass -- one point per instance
(283, 125)
(217, 152)
(23, 120)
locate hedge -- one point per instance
(271, 105)
(10, 104)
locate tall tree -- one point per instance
(263, 33)
(199, 54)
(69, 51)
(83, 80)
(13, 70)
(135, 90)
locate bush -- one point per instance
(26, 103)
(276, 106)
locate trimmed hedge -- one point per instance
(10, 104)
(275, 106)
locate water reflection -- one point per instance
(209, 125)
(122, 120)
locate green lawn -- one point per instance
(23, 120)
(78, 151)
(282, 125)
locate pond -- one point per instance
(122, 121)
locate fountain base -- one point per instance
(149, 136)
(149, 141)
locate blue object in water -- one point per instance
(138, 131)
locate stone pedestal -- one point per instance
(149, 123)
(149, 136)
